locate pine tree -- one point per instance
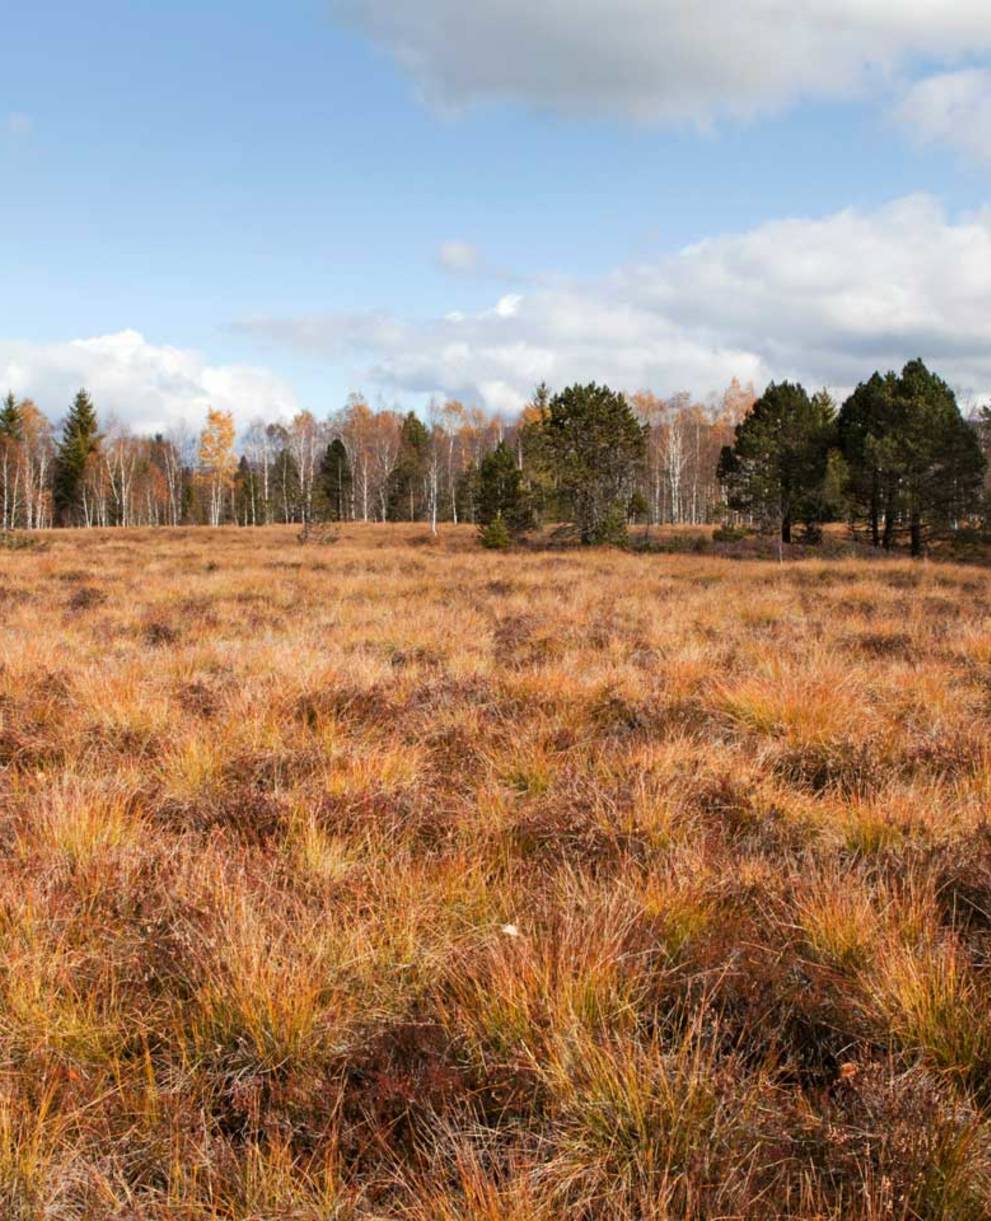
(595, 444)
(500, 494)
(246, 494)
(533, 457)
(407, 481)
(467, 493)
(336, 480)
(776, 467)
(914, 462)
(865, 417)
(934, 453)
(80, 440)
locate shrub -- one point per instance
(611, 530)
(12, 541)
(495, 536)
(729, 534)
(321, 538)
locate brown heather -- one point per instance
(407, 880)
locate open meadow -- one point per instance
(395, 878)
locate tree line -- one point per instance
(897, 460)
(358, 464)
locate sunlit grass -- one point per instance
(401, 880)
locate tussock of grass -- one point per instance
(840, 920)
(387, 880)
(935, 1006)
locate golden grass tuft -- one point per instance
(402, 881)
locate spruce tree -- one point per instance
(80, 439)
(10, 419)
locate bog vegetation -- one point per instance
(897, 461)
(402, 878)
(475, 873)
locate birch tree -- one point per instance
(218, 462)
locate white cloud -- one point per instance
(149, 387)
(824, 300)
(667, 60)
(509, 305)
(459, 257)
(951, 108)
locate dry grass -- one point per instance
(399, 879)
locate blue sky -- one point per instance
(269, 205)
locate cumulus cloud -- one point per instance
(951, 108)
(824, 300)
(459, 257)
(152, 388)
(664, 60)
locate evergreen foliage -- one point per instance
(80, 440)
(336, 480)
(407, 485)
(866, 416)
(914, 463)
(10, 419)
(595, 445)
(899, 462)
(501, 495)
(776, 467)
(495, 535)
